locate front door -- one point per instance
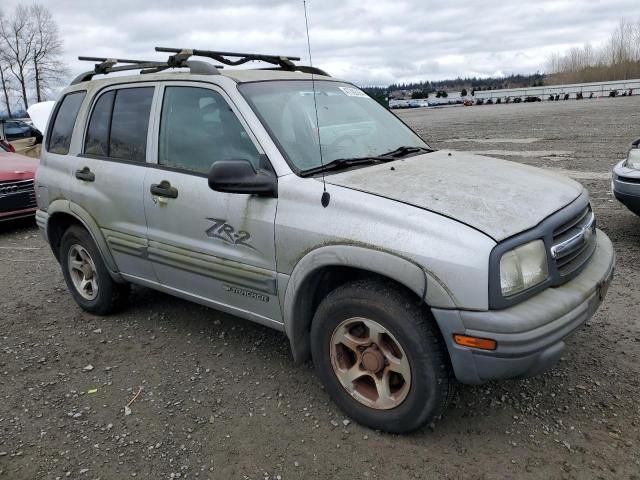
(209, 246)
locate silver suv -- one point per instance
(292, 199)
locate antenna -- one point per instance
(326, 197)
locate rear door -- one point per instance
(218, 247)
(109, 173)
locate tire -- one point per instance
(411, 336)
(103, 295)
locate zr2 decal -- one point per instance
(227, 233)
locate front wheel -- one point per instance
(380, 356)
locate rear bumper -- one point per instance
(529, 335)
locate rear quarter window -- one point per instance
(97, 140)
(119, 124)
(63, 123)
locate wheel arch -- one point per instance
(326, 268)
(61, 215)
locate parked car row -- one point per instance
(551, 98)
(423, 102)
(470, 101)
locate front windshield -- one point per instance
(352, 124)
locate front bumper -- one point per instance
(529, 335)
(17, 214)
(626, 186)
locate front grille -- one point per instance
(570, 237)
(17, 195)
(629, 179)
(573, 244)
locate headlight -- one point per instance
(633, 161)
(523, 268)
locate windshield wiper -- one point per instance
(341, 163)
(404, 151)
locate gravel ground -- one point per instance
(219, 397)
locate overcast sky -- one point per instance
(374, 42)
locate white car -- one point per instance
(626, 179)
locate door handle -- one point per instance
(164, 189)
(86, 175)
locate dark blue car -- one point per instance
(15, 129)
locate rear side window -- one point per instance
(119, 124)
(62, 128)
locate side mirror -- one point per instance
(239, 176)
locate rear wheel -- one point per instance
(87, 276)
(380, 356)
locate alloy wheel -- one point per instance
(370, 363)
(83, 272)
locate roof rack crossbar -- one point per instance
(302, 69)
(283, 61)
(110, 65)
(116, 60)
(135, 66)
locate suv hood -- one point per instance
(497, 197)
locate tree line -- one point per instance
(616, 59)
(31, 63)
(474, 83)
(468, 85)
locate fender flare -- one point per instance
(80, 214)
(297, 318)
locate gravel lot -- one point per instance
(221, 399)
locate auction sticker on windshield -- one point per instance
(353, 92)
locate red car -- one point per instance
(17, 194)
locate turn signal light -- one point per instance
(475, 342)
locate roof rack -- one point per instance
(180, 59)
(282, 62)
(110, 65)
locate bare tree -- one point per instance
(4, 84)
(48, 69)
(617, 59)
(4, 76)
(16, 43)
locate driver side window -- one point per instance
(198, 128)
